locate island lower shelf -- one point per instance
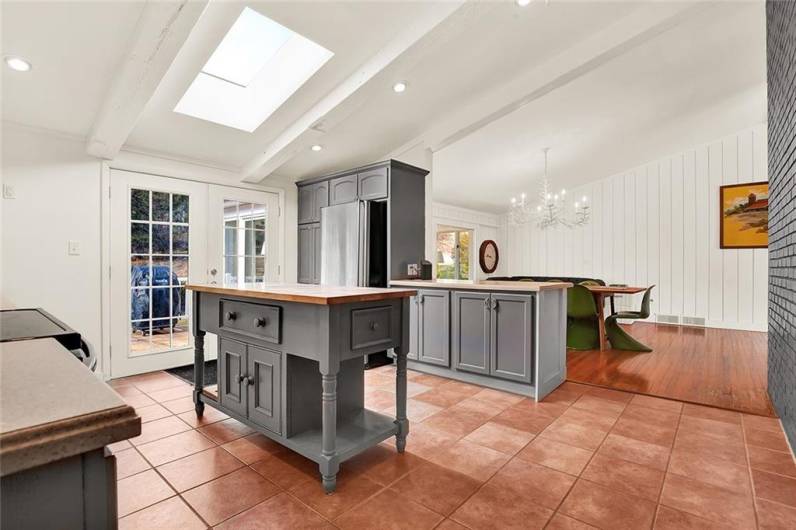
(293, 370)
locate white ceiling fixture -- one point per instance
(257, 66)
(553, 209)
(317, 147)
(17, 63)
(399, 87)
(523, 3)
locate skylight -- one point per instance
(256, 67)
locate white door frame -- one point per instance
(169, 170)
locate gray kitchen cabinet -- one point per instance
(264, 387)
(471, 330)
(250, 382)
(316, 255)
(232, 370)
(307, 251)
(511, 325)
(398, 186)
(434, 327)
(372, 184)
(343, 189)
(311, 199)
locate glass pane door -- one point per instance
(244, 241)
(159, 257)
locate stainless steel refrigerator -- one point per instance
(354, 244)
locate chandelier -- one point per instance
(552, 209)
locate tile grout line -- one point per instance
(668, 464)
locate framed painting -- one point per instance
(743, 210)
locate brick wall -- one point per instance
(781, 24)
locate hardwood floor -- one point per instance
(716, 367)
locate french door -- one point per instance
(164, 234)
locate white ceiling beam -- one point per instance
(160, 33)
(583, 57)
(447, 19)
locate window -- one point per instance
(244, 241)
(158, 271)
(256, 67)
(453, 253)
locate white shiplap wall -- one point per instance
(659, 224)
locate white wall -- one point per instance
(484, 226)
(659, 224)
(58, 189)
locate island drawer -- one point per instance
(255, 320)
(371, 326)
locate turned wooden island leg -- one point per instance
(330, 463)
(198, 359)
(400, 382)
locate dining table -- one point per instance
(600, 292)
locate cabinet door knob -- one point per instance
(231, 315)
(374, 326)
(250, 381)
(260, 322)
(241, 378)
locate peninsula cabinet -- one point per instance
(509, 336)
(430, 327)
(492, 334)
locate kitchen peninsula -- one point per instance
(290, 363)
(505, 335)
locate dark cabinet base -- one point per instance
(76, 492)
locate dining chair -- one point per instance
(620, 339)
(583, 332)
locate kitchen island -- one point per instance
(502, 334)
(290, 363)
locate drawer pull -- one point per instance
(231, 315)
(260, 322)
(374, 326)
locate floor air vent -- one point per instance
(668, 319)
(693, 321)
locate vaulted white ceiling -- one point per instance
(604, 84)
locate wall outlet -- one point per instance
(9, 191)
(74, 247)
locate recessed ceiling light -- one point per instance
(316, 147)
(399, 87)
(523, 3)
(17, 63)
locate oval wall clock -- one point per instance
(488, 256)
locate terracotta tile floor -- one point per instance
(585, 457)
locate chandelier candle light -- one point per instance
(553, 208)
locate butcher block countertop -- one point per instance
(485, 285)
(52, 407)
(303, 293)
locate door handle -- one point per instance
(495, 305)
(374, 326)
(231, 315)
(213, 272)
(242, 378)
(249, 381)
(486, 304)
(260, 322)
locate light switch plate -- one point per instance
(74, 247)
(9, 191)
